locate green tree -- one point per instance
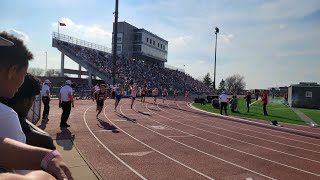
(207, 80)
(235, 83)
(222, 85)
(52, 73)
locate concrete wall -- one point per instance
(290, 96)
(127, 32)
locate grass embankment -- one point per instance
(276, 110)
(314, 114)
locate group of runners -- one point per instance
(103, 91)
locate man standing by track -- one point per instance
(65, 102)
(45, 93)
(264, 98)
(223, 100)
(100, 95)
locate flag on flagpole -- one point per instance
(62, 24)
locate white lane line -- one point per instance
(231, 117)
(205, 152)
(296, 156)
(139, 154)
(198, 149)
(276, 142)
(235, 149)
(179, 136)
(112, 153)
(182, 164)
(103, 130)
(252, 130)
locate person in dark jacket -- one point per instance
(264, 98)
(248, 100)
(233, 103)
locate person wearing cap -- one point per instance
(100, 95)
(14, 61)
(223, 101)
(65, 102)
(45, 93)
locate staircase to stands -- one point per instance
(58, 42)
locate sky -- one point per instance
(270, 42)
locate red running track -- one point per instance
(174, 141)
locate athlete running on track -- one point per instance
(100, 95)
(94, 89)
(134, 92)
(118, 94)
(164, 95)
(155, 93)
(143, 94)
(175, 95)
(186, 95)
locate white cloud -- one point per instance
(225, 38)
(181, 41)
(19, 34)
(91, 32)
(287, 9)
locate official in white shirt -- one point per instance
(223, 101)
(65, 102)
(45, 93)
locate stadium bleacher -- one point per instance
(133, 70)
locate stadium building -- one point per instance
(135, 43)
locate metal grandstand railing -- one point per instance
(73, 40)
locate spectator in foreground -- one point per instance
(21, 103)
(14, 57)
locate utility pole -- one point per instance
(215, 59)
(115, 37)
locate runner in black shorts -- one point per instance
(155, 93)
(143, 94)
(164, 94)
(100, 95)
(175, 95)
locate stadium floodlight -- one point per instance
(215, 59)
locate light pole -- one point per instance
(215, 59)
(115, 43)
(45, 70)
